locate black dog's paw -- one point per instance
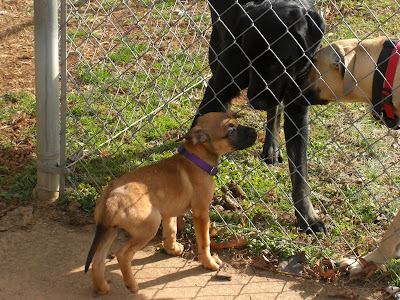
(273, 160)
(313, 226)
(272, 155)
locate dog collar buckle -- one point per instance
(198, 161)
(213, 171)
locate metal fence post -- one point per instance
(47, 99)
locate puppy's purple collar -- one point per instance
(198, 161)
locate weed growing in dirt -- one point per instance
(84, 194)
(394, 265)
(21, 186)
(16, 102)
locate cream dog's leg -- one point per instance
(388, 248)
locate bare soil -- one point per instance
(17, 74)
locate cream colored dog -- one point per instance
(388, 248)
(344, 70)
(139, 200)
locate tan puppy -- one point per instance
(344, 71)
(139, 200)
(389, 248)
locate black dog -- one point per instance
(268, 46)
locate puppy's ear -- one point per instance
(197, 136)
(344, 59)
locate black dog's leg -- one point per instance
(272, 153)
(218, 95)
(215, 101)
(225, 84)
(296, 135)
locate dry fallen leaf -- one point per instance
(264, 263)
(259, 265)
(74, 206)
(235, 241)
(328, 262)
(105, 154)
(216, 232)
(215, 246)
(237, 191)
(229, 203)
(370, 267)
(328, 274)
(222, 276)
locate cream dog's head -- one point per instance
(344, 70)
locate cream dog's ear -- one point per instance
(343, 59)
(197, 136)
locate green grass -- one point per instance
(17, 102)
(128, 52)
(21, 186)
(353, 19)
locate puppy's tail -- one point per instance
(100, 231)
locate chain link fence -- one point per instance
(136, 73)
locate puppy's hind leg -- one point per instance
(99, 284)
(169, 237)
(141, 234)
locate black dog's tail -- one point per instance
(100, 231)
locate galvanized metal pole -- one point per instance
(47, 99)
(63, 96)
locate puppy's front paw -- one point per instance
(210, 262)
(176, 249)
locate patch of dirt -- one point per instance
(14, 132)
(17, 74)
(17, 71)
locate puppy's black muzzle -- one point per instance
(245, 137)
